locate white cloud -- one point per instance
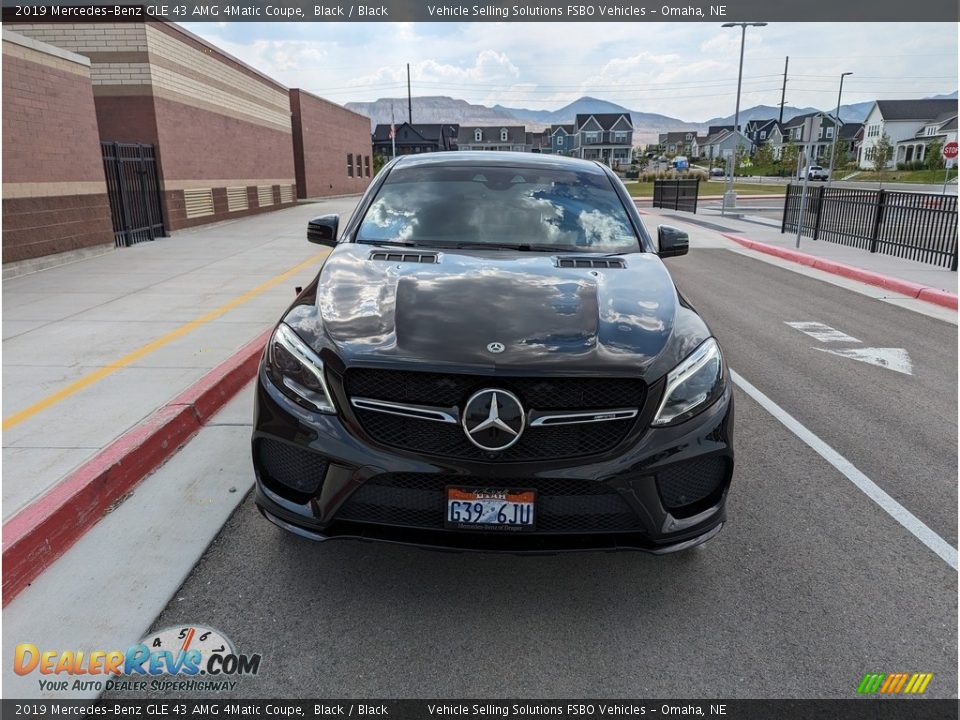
(683, 70)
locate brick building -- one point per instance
(222, 129)
(54, 191)
(331, 147)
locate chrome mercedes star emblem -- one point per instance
(493, 419)
(496, 348)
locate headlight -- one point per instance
(297, 370)
(692, 385)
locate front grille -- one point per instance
(291, 467)
(688, 483)
(448, 390)
(418, 500)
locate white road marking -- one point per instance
(896, 359)
(821, 332)
(869, 488)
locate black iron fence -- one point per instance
(916, 226)
(134, 190)
(676, 194)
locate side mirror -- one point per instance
(323, 230)
(672, 241)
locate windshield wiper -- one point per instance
(392, 243)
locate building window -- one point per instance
(620, 137)
(763, 134)
(829, 133)
(349, 164)
(366, 162)
(593, 137)
(503, 135)
(478, 135)
(560, 141)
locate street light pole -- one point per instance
(730, 197)
(836, 130)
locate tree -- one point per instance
(882, 152)
(789, 154)
(934, 157)
(763, 157)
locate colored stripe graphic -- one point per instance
(894, 683)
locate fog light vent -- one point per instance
(687, 483)
(292, 467)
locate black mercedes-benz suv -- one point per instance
(494, 357)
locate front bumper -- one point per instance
(661, 490)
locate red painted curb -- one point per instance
(41, 532)
(904, 287)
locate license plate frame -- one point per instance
(489, 498)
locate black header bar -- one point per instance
(492, 709)
(847, 11)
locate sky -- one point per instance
(683, 70)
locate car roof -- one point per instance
(487, 158)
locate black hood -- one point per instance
(548, 318)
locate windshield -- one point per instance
(541, 208)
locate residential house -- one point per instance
(776, 138)
(493, 137)
(723, 144)
(696, 146)
(562, 139)
(415, 138)
(539, 142)
(759, 131)
(812, 133)
(677, 142)
(915, 148)
(715, 129)
(901, 121)
(607, 137)
(848, 142)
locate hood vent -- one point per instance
(582, 262)
(410, 257)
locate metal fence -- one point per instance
(676, 194)
(134, 190)
(916, 226)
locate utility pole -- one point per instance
(783, 94)
(409, 101)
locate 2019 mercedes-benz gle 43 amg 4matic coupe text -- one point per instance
(495, 357)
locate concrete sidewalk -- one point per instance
(767, 231)
(92, 348)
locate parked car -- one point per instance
(495, 357)
(814, 172)
(717, 172)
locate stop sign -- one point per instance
(950, 150)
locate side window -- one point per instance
(349, 164)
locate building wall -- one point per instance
(54, 190)
(216, 122)
(325, 137)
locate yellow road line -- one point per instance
(98, 375)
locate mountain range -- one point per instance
(647, 126)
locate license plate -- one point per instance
(491, 509)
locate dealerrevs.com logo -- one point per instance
(190, 658)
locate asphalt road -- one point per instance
(809, 586)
